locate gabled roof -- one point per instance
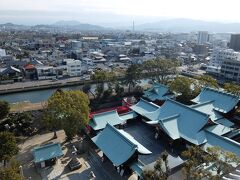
(219, 129)
(157, 92)
(208, 108)
(117, 145)
(10, 69)
(144, 106)
(222, 142)
(100, 120)
(47, 152)
(222, 101)
(179, 120)
(225, 122)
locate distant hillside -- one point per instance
(66, 25)
(188, 25)
(77, 25)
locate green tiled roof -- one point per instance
(158, 92)
(222, 142)
(219, 129)
(47, 152)
(144, 106)
(100, 120)
(222, 101)
(117, 145)
(179, 120)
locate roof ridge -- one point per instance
(170, 117)
(221, 91)
(150, 103)
(45, 146)
(122, 136)
(180, 104)
(224, 138)
(201, 104)
(106, 112)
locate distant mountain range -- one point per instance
(188, 25)
(171, 25)
(66, 25)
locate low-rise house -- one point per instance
(11, 73)
(47, 155)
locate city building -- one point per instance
(202, 37)
(2, 52)
(235, 42)
(218, 56)
(230, 69)
(74, 67)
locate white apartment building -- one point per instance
(230, 69)
(219, 56)
(74, 67)
(202, 37)
(2, 52)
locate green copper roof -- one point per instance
(222, 142)
(225, 122)
(222, 101)
(219, 129)
(47, 152)
(144, 106)
(117, 145)
(208, 108)
(137, 168)
(158, 92)
(179, 120)
(100, 120)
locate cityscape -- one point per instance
(119, 90)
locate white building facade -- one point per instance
(74, 67)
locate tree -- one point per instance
(160, 69)
(8, 146)
(208, 81)
(160, 171)
(232, 88)
(132, 74)
(187, 88)
(119, 90)
(219, 159)
(103, 77)
(68, 110)
(87, 89)
(195, 158)
(4, 109)
(223, 160)
(11, 172)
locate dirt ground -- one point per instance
(25, 156)
(26, 106)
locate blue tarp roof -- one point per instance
(144, 106)
(222, 101)
(100, 120)
(116, 145)
(47, 152)
(157, 92)
(179, 120)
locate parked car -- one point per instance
(74, 164)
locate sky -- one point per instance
(115, 11)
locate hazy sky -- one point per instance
(110, 11)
